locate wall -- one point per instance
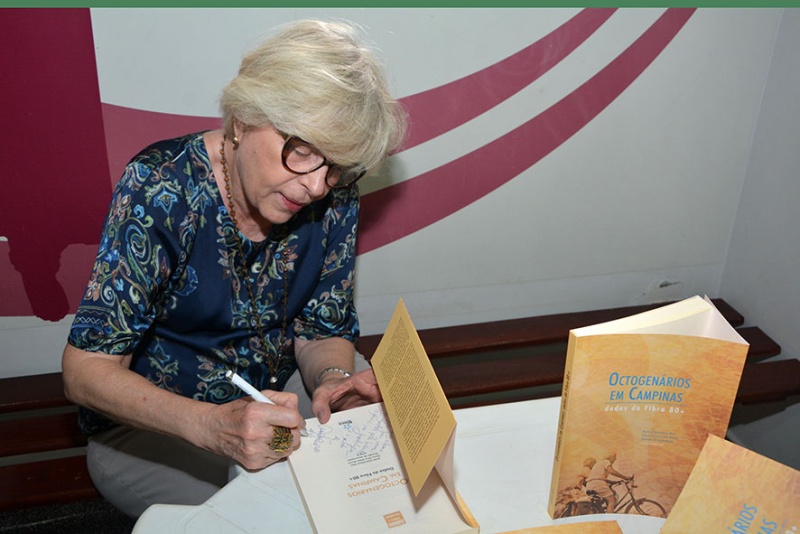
(761, 271)
(760, 276)
(573, 159)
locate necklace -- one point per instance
(272, 363)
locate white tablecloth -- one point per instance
(503, 466)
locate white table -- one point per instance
(503, 466)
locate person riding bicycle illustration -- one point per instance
(599, 483)
(599, 488)
(572, 492)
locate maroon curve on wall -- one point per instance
(404, 208)
(432, 112)
(440, 109)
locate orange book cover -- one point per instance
(639, 398)
(589, 527)
(737, 491)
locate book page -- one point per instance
(656, 318)
(707, 323)
(350, 478)
(694, 316)
(418, 410)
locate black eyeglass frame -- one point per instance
(338, 171)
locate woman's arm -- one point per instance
(314, 356)
(241, 429)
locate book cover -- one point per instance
(640, 396)
(737, 491)
(588, 527)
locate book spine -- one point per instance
(562, 420)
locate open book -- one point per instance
(387, 465)
(640, 395)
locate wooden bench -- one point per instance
(521, 359)
(42, 458)
(41, 449)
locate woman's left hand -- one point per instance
(336, 394)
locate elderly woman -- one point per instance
(233, 250)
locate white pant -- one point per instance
(134, 469)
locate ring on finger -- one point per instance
(282, 439)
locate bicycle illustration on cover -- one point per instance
(593, 491)
(593, 503)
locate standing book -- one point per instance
(737, 491)
(639, 398)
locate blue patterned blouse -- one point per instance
(162, 287)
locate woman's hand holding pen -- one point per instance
(245, 430)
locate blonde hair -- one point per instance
(315, 80)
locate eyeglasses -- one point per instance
(300, 157)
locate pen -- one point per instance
(245, 386)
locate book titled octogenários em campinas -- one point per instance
(387, 466)
(640, 396)
(588, 527)
(737, 491)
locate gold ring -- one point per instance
(282, 439)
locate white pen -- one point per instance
(253, 392)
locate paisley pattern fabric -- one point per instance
(162, 287)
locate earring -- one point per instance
(235, 142)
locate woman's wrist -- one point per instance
(328, 370)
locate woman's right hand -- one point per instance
(244, 429)
(241, 429)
